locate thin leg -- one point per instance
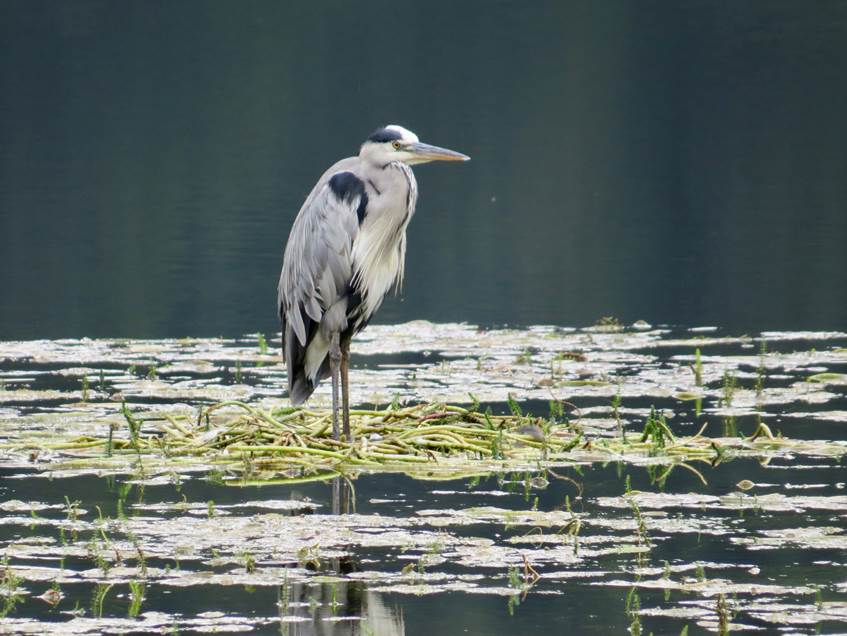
(336, 496)
(334, 362)
(345, 388)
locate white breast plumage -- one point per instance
(379, 250)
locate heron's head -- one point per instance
(395, 143)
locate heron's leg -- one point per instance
(345, 388)
(334, 363)
(336, 496)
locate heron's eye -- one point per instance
(396, 145)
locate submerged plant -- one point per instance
(9, 589)
(522, 584)
(632, 608)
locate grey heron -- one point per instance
(346, 250)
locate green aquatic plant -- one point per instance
(632, 608)
(666, 575)
(426, 440)
(641, 532)
(514, 407)
(133, 423)
(657, 431)
(333, 600)
(263, 344)
(9, 589)
(136, 598)
(730, 384)
(249, 562)
(95, 553)
(98, 598)
(514, 577)
(723, 615)
(608, 322)
(521, 583)
(283, 602)
(525, 357)
(557, 412)
(828, 378)
(730, 429)
(71, 516)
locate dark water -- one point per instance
(678, 162)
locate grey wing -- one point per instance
(314, 286)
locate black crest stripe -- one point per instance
(381, 135)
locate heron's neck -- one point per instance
(379, 251)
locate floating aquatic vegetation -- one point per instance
(427, 440)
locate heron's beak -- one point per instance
(425, 152)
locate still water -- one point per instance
(677, 162)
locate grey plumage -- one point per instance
(314, 287)
(345, 251)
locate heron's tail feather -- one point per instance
(300, 390)
(307, 366)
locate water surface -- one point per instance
(600, 541)
(677, 162)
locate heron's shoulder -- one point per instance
(316, 196)
(340, 190)
(346, 186)
(350, 164)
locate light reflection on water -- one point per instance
(381, 552)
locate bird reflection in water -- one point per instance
(339, 606)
